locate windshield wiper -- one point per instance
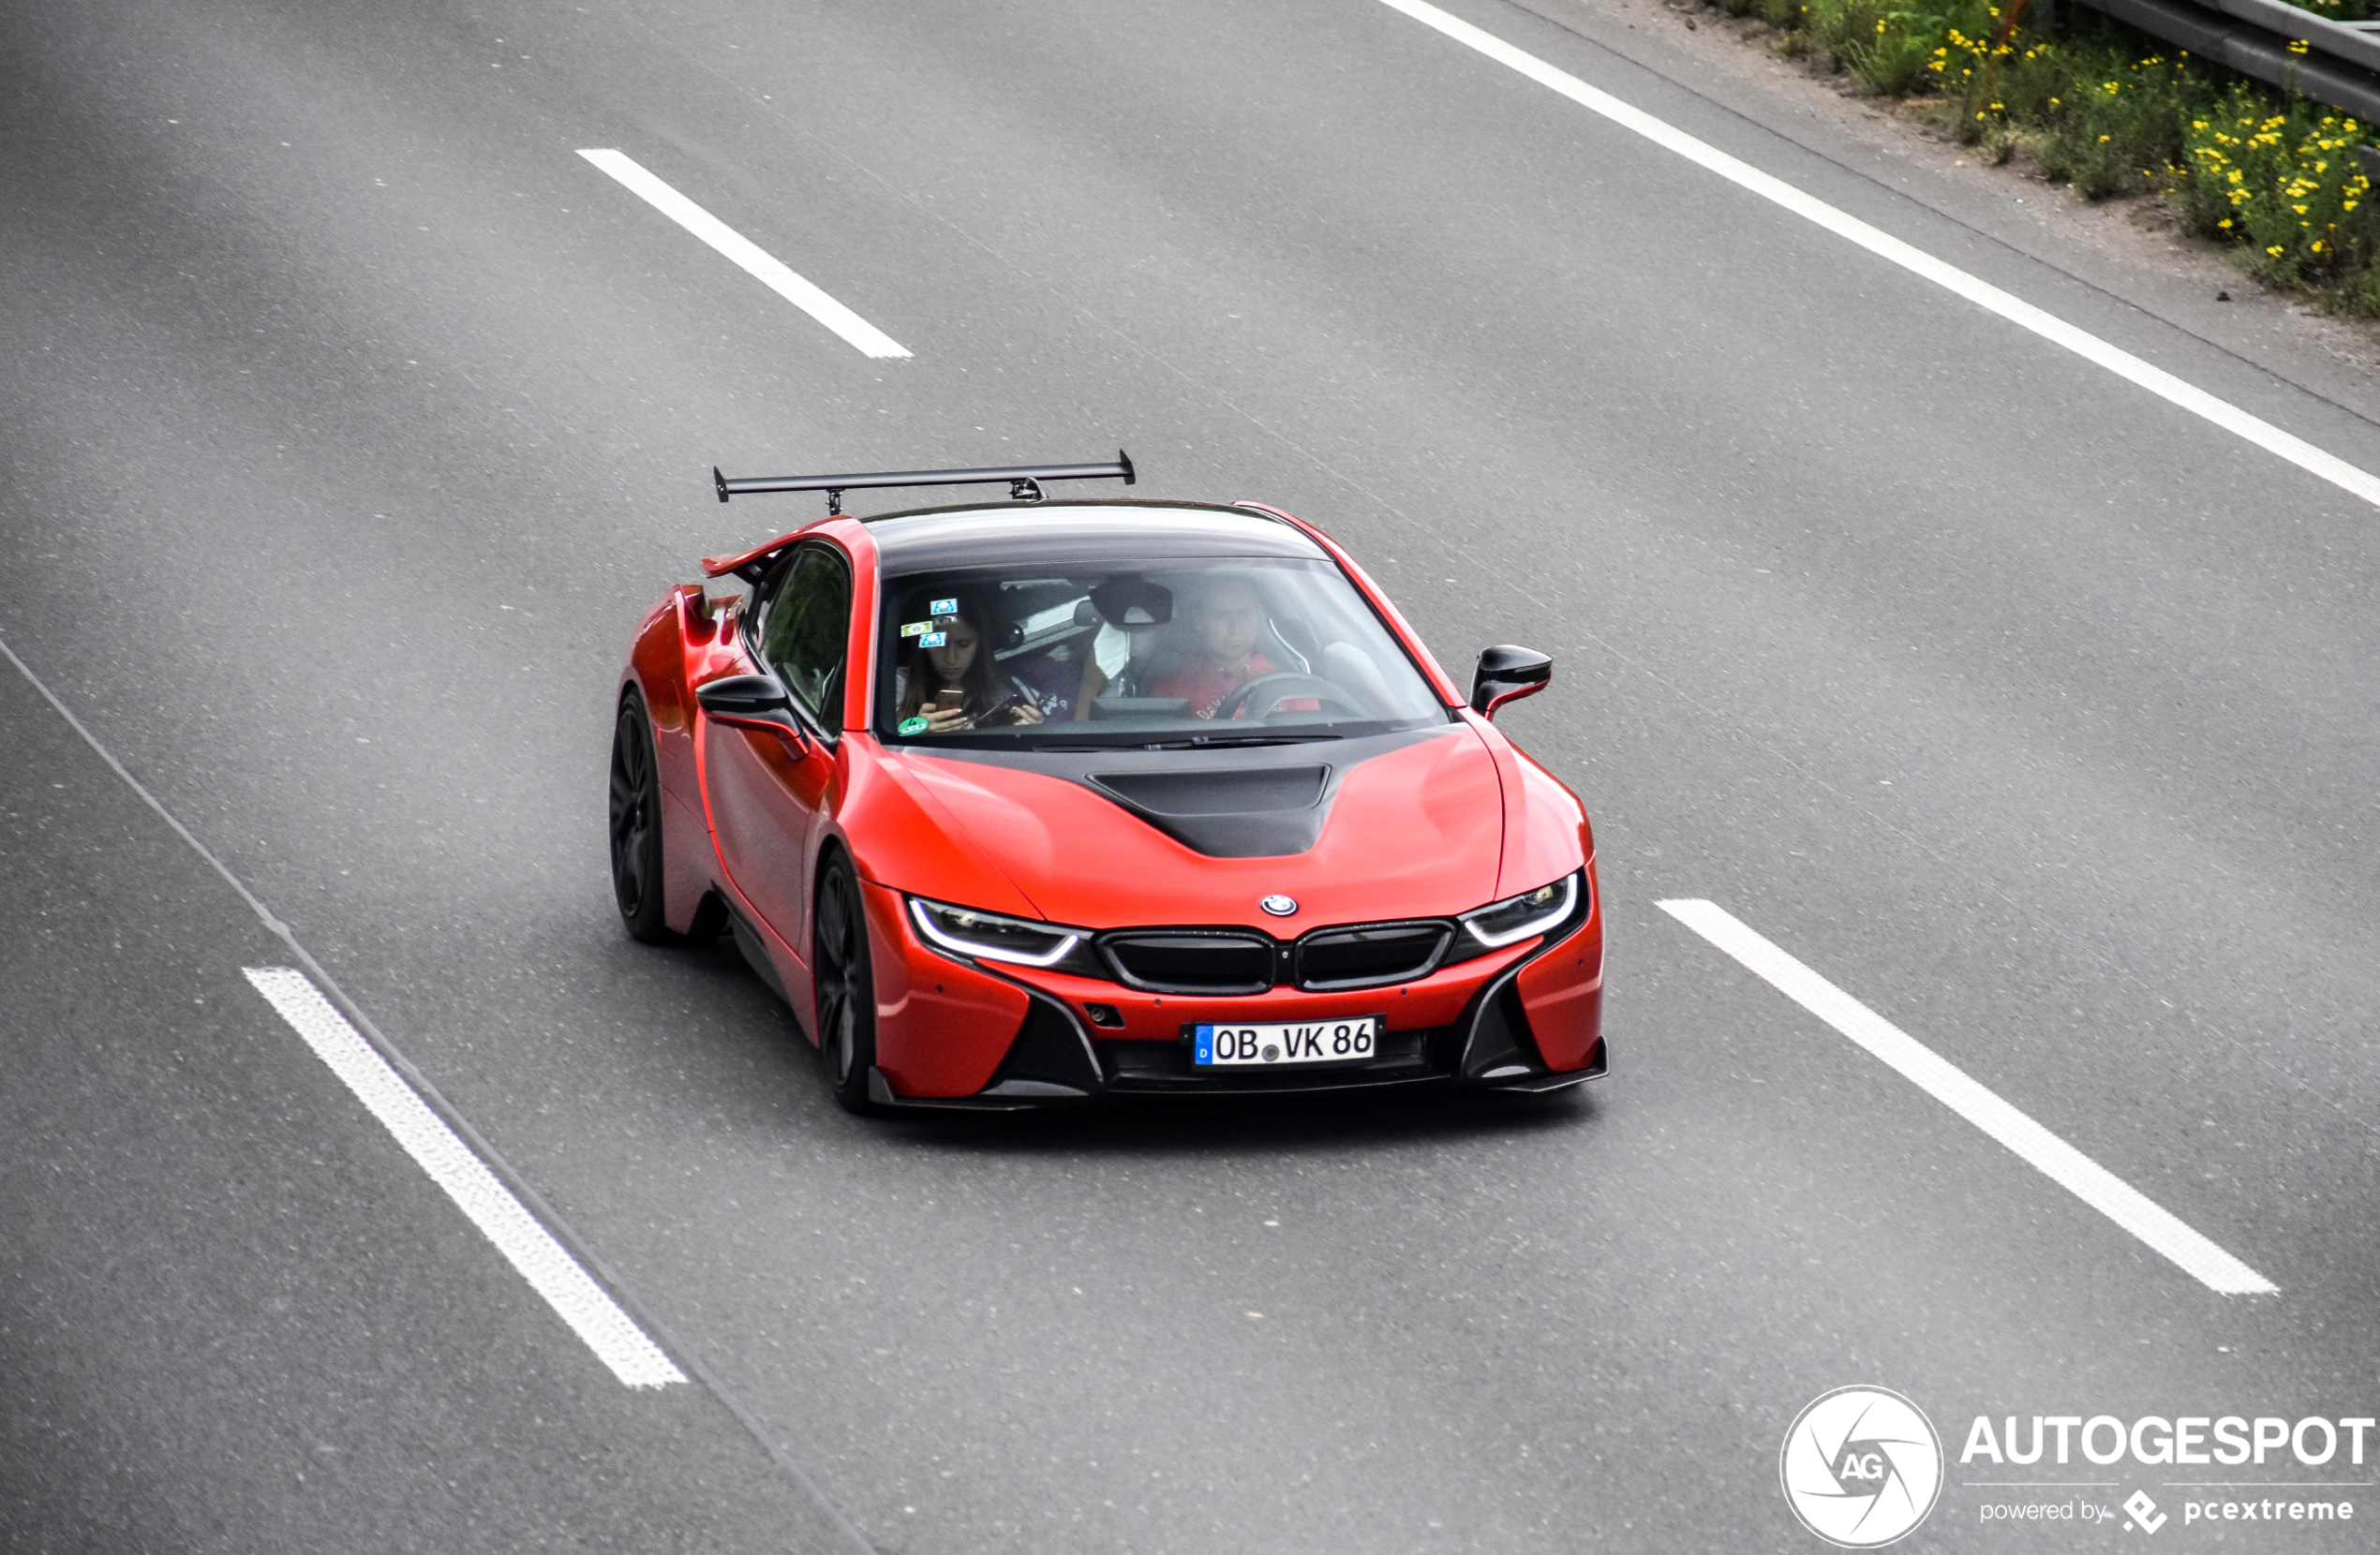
(1219, 742)
(1187, 742)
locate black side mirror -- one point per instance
(1507, 672)
(754, 701)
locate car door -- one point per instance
(767, 787)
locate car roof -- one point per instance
(986, 534)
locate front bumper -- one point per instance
(979, 1034)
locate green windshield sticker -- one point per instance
(913, 725)
(916, 628)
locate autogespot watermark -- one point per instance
(1861, 1467)
(2267, 1446)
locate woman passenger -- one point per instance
(954, 685)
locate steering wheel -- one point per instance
(1266, 692)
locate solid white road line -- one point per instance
(768, 271)
(2059, 1162)
(551, 1272)
(2300, 452)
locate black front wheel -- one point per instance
(846, 1003)
(636, 825)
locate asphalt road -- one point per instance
(350, 419)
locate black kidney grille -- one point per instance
(1370, 956)
(1186, 962)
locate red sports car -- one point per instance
(1035, 802)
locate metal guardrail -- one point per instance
(2336, 63)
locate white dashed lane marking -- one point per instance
(2068, 1167)
(747, 255)
(550, 1270)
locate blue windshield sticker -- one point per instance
(933, 638)
(944, 607)
(912, 725)
(916, 628)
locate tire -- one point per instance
(846, 990)
(636, 827)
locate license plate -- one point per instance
(1284, 1045)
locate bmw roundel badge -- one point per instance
(1279, 905)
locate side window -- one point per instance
(806, 629)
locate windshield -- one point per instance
(1232, 651)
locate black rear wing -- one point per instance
(1023, 480)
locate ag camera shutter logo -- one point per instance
(1861, 1467)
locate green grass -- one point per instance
(2119, 133)
(1887, 46)
(2287, 183)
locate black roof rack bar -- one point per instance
(1023, 480)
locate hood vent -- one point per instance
(1239, 793)
(1252, 812)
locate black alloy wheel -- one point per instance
(846, 990)
(636, 825)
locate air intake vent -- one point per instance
(1371, 955)
(1244, 812)
(1187, 961)
(1253, 791)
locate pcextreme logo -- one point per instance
(1861, 1467)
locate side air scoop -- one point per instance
(749, 565)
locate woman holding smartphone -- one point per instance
(950, 682)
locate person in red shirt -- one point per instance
(1227, 619)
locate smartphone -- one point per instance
(950, 699)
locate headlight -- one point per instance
(1530, 912)
(968, 932)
